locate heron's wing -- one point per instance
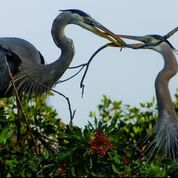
(4, 74)
(13, 62)
(23, 49)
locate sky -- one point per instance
(126, 75)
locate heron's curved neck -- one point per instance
(58, 67)
(165, 104)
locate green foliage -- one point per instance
(110, 145)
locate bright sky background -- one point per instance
(128, 75)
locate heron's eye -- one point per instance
(88, 20)
(149, 39)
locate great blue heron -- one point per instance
(166, 128)
(26, 64)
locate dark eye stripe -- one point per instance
(88, 20)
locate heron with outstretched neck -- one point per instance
(26, 64)
(166, 128)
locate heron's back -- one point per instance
(23, 49)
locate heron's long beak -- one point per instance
(143, 39)
(104, 32)
(137, 38)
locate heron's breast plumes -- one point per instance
(166, 137)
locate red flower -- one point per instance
(126, 160)
(100, 144)
(61, 170)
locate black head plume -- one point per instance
(77, 11)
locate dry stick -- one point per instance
(88, 63)
(169, 34)
(87, 66)
(82, 66)
(20, 105)
(72, 114)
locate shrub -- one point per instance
(110, 145)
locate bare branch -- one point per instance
(72, 113)
(88, 63)
(20, 106)
(82, 66)
(172, 32)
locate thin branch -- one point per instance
(88, 63)
(83, 65)
(72, 113)
(20, 105)
(172, 32)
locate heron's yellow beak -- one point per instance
(104, 32)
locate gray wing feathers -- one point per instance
(24, 61)
(23, 49)
(4, 74)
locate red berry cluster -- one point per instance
(100, 144)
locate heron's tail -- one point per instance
(166, 138)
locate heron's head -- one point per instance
(153, 42)
(84, 20)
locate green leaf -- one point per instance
(46, 154)
(11, 163)
(117, 104)
(117, 159)
(115, 169)
(4, 136)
